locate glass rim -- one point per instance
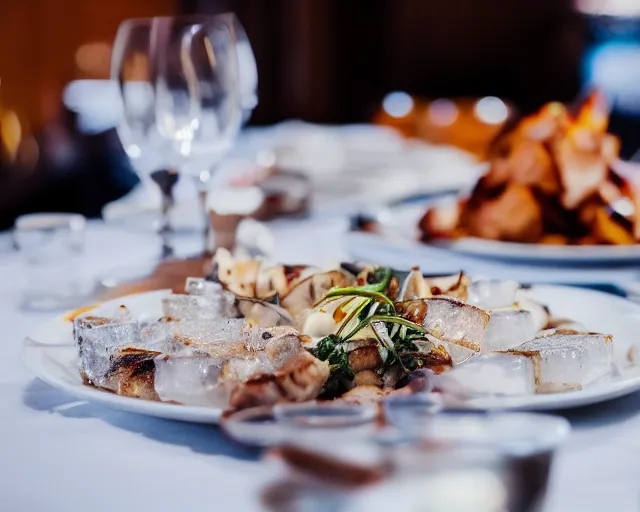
(536, 432)
(182, 18)
(48, 220)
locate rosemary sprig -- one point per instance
(357, 292)
(356, 311)
(386, 319)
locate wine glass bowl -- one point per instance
(178, 80)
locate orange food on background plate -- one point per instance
(553, 179)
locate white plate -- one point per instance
(50, 353)
(403, 221)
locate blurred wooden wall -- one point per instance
(333, 61)
(40, 42)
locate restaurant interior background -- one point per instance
(324, 61)
(481, 257)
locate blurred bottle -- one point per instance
(611, 63)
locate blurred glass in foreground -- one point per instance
(335, 458)
(52, 245)
(612, 64)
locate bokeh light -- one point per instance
(491, 110)
(442, 112)
(397, 104)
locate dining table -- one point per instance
(59, 453)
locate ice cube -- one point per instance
(256, 338)
(508, 328)
(242, 369)
(488, 294)
(97, 345)
(200, 286)
(190, 381)
(567, 360)
(156, 334)
(178, 307)
(458, 353)
(448, 320)
(492, 374)
(212, 336)
(540, 314)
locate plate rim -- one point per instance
(113, 401)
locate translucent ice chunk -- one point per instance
(508, 328)
(493, 374)
(566, 360)
(97, 344)
(211, 336)
(156, 334)
(207, 381)
(539, 313)
(190, 381)
(489, 294)
(448, 320)
(200, 286)
(241, 370)
(207, 304)
(256, 338)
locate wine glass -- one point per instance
(178, 79)
(248, 97)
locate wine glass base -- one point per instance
(184, 219)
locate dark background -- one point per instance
(328, 61)
(333, 60)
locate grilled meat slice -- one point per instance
(300, 378)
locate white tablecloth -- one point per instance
(58, 454)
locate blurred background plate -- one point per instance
(399, 223)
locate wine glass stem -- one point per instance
(202, 184)
(166, 180)
(206, 232)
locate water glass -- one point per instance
(52, 246)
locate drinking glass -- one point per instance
(248, 98)
(52, 246)
(178, 79)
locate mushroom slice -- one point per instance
(454, 285)
(238, 276)
(303, 296)
(448, 320)
(263, 313)
(414, 286)
(280, 279)
(417, 286)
